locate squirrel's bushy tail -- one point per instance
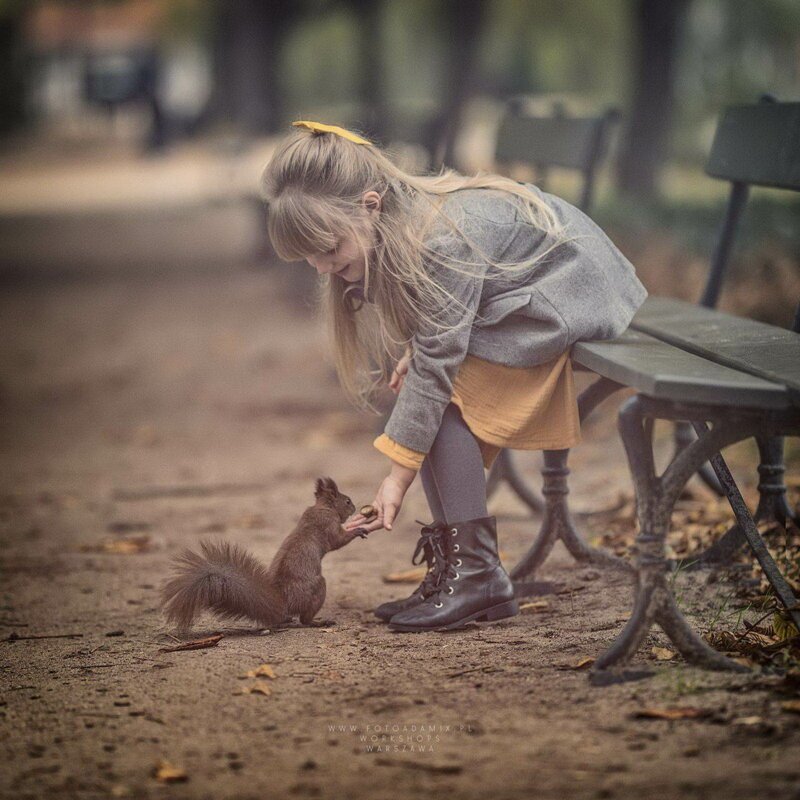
(225, 579)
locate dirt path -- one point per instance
(111, 389)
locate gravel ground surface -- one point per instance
(142, 416)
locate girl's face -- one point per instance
(348, 259)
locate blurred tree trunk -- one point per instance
(462, 25)
(657, 27)
(12, 68)
(369, 15)
(247, 88)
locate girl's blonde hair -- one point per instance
(313, 186)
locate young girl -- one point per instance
(464, 294)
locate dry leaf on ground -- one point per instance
(747, 721)
(197, 644)
(130, 545)
(168, 773)
(677, 712)
(264, 671)
(259, 687)
(783, 626)
(663, 653)
(408, 576)
(533, 607)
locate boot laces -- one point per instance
(429, 546)
(448, 564)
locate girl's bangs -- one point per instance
(300, 227)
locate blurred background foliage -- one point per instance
(431, 79)
(342, 55)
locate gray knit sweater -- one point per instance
(583, 289)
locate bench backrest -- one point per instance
(759, 145)
(754, 145)
(576, 143)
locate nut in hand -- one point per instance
(368, 511)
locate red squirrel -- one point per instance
(233, 584)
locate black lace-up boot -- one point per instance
(471, 584)
(428, 547)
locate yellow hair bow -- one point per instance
(319, 127)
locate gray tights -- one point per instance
(452, 472)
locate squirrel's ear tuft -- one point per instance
(325, 486)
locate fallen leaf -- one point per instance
(128, 546)
(760, 639)
(754, 720)
(583, 663)
(168, 773)
(784, 628)
(408, 576)
(663, 653)
(196, 644)
(677, 712)
(264, 671)
(533, 607)
(259, 687)
(793, 706)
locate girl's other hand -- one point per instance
(400, 370)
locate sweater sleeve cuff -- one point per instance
(415, 419)
(402, 455)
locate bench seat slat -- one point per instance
(662, 371)
(744, 344)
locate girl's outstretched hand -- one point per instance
(387, 501)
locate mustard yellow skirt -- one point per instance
(533, 408)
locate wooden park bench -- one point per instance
(692, 363)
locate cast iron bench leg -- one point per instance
(504, 468)
(655, 498)
(772, 504)
(557, 523)
(685, 435)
